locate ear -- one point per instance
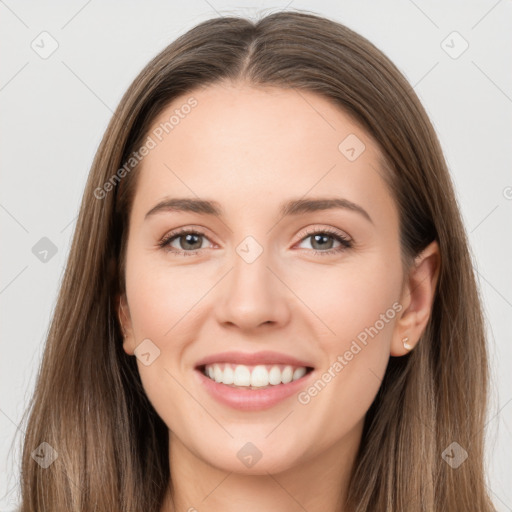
(123, 314)
(417, 299)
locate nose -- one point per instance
(253, 294)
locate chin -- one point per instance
(251, 458)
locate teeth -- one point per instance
(298, 373)
(259, 376)
(242, 376)
(217, 373)
(287, 375)
(274, 376)
(228, 376)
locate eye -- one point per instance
(189, 242)
(320, 240)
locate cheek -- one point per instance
(348, 300)
(356, 309)
(162, 296)
(161, 301)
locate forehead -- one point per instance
(246, 145)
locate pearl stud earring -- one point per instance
(406, 345)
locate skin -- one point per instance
(250, 149)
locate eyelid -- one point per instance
(324, 229)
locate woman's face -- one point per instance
(266, 277)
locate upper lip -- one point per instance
(265, 357)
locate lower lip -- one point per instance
(252, 399)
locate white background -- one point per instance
(55, 110)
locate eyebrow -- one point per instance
(290, 208)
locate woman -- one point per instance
(318, 346)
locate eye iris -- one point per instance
(318, 237)
(188, 241)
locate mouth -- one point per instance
(253, 377)
(253, 387)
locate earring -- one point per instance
(406, 345)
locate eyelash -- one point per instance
(345, 242)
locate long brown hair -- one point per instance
(89, 404)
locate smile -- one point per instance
(238, 392)
(254, 376)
